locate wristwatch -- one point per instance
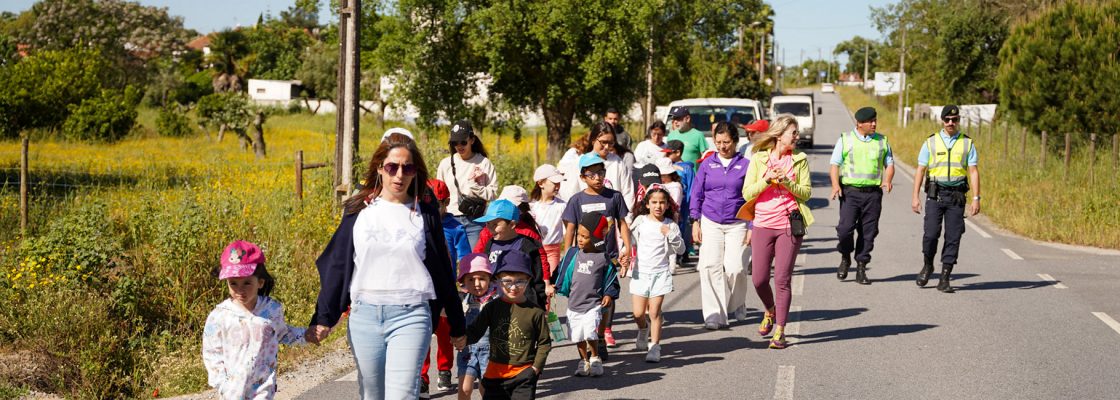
(976, 198)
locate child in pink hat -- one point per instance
(476, 280)
(243, 334)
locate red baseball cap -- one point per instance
(439, 189)
(757, 126)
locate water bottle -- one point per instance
(556, 329)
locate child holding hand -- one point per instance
(659, 241)
(475, 275)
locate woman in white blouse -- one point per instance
(467, 172)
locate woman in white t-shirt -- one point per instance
(547, 209)
(467, 172)
(650, 150)
(388, 264)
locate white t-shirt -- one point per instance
(548, 219)
(389, 256)
(723, 161)
(647, 152)
(653, 246)
(676, 192)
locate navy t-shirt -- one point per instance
(609, 202)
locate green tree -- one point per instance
(232, 111)
(274, 50)
(39, 89)
(107, 117)
(319, 73)
(856, 49)
(1056, 70)
(228, 48)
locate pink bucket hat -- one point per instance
(240, 259)
(474, 262)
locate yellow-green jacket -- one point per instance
(753, 184)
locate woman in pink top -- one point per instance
(777, 186)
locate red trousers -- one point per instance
(445, 353)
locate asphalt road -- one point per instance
(1028, 321)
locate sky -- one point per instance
(800, 25)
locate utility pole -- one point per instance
(762, 58)
(866, 49)
(647, 119)
(820, 57)
(801, 68)
(902, 73)
(774, 60)
(346, 139)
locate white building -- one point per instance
(279, 92)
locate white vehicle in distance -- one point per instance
(705, 112)
(827, 88)
(801, 107)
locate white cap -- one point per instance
(665, 166)
(548, 171)
(515, 194)
(397, 130)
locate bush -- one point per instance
(107, 117)
(173, 121)
(76, 247)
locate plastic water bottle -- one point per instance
(555, 328)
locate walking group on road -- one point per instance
(480, 267)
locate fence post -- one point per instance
(23, 144)
(1042, 151)
(1023, 144)
(1092, 155)
(1067, 155)
(1116, 152)
(299, 175)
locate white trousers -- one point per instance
(723, 280)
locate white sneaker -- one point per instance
(596, 366)
(741, 313)
(642, 342)
(583, 368)
(711, 326)
(654, 354)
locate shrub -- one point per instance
(76, 247)
(106, 117)
(173, 121)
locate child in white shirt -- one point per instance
(658, 240)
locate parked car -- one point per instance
(706, 112)
(801, 107)
(827, 88)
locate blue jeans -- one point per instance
(472, 228)
(389, 344)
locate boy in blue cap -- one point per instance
(501, 217)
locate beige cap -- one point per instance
(515, 194)
(548, 171)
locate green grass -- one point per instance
(1039, 200)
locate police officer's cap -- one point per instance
(950, 111)
(865, 114)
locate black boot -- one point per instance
(845, 263)
(923, 275)
(943, 285)
(861, 273)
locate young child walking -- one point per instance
(590, 281)
(244, 333)
(547, 209)
(659, 241)
(475, 278)
(518, 329)
(500, 218)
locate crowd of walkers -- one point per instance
(449, 254)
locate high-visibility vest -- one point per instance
(863, 162)
(948, 166)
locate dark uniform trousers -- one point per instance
(859, 214)
(948, 207)
(520, 387)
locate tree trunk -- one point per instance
(221, 132)
(242, 138)
(258, 135)
(558, 119)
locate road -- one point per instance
(1028, 321)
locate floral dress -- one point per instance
(239, 348)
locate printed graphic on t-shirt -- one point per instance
(593, 207)
(585, 267)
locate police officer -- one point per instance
(947, 162)
(862, 167)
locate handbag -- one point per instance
(796, 224)
(471, 206)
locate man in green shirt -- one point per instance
(694, 143)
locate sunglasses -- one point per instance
(952, 120)
(392, 168)
(513, 284)
(458, 142)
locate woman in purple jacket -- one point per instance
(717, 194)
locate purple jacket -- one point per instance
(717, 192)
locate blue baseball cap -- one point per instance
(589, 159)
(513, 261)
(503, 209)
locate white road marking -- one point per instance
(798, 284)
(1108, 321)
(1012, 254)
(351, 377)
(1057, 285)
(976, 228)
(793, 324)
(783, 388)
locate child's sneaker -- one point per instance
(741, 313)
(642, 342)
(654, 354)
(583, 368)
(443, 384)
(424, 390)
(596, 366)
(609, 338)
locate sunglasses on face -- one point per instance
(458, 142)
(514, 283)
(592, 174)
(951, 120)
(392, 168)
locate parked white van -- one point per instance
(705, 112)
(801, 107)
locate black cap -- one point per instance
(678, 112)
(598, 226)
(950, 111)
(461, 131)
(865, 114)
(674, 145)
(649, 175)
